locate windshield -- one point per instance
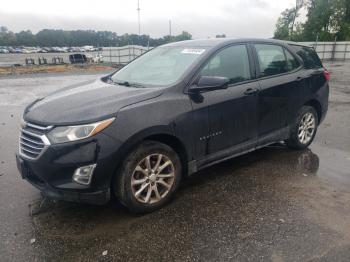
(161, 66)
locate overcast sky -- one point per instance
(202, 18)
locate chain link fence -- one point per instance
(327, 51)
(331, 51)
(122, 55)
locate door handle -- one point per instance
(251, 91)
(299, 78)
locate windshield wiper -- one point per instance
(126, 83)
(122, 83)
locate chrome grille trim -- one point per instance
(33, 144)
(29, 140)
(43, 128)
(30, 151)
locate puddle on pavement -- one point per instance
(268, 197)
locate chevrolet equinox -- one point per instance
(173, 111)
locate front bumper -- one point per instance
(52, 172)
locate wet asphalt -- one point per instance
(270, 205)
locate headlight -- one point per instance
(63, 134)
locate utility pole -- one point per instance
(138, 15)
(170, 28)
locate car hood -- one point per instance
(85, 102)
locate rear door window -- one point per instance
(272, 60)
(308, 55)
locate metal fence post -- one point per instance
(333, 49)
(324, 50)
(345, 51)
(119, 63)
(316, 43)
(110, 54)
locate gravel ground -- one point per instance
(270, 205)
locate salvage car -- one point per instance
(77, 59)
(176, 109)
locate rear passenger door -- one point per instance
(231, 112)
(280, 80)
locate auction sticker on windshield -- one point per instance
(193, 51)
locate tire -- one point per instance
(307, 117)
(134, 175)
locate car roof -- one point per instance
(213, 42)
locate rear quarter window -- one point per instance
(308, 55)
(292, 62)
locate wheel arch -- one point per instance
(176, 144)
(317, 106)
(161, 134)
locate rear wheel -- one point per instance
(304, 129)
(148, 177)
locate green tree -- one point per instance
(7, 37)
(344, 26)
(285, 24)
(318, 23)
(26, 38)
(286, 27)
(298, 5)
(325, 20)
(50, 37)
(3, 29)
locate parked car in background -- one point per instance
(88, 48)
(173, 111)
(10, 49)
(42, 50)
(76, 49)
(77, 58)
(4, 50)
(56, 49)
(18, 50)
(25, 51)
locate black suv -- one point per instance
(171, 112)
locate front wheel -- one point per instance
(148, 177)
(304, 129)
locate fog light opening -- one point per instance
(83, 175)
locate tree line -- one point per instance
(326, 20)
(60, 38)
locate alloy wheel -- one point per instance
(153, 178)
(307, 128)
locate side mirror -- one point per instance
(210, 83)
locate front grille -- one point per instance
(32, 140)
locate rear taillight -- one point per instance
(326, 74)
